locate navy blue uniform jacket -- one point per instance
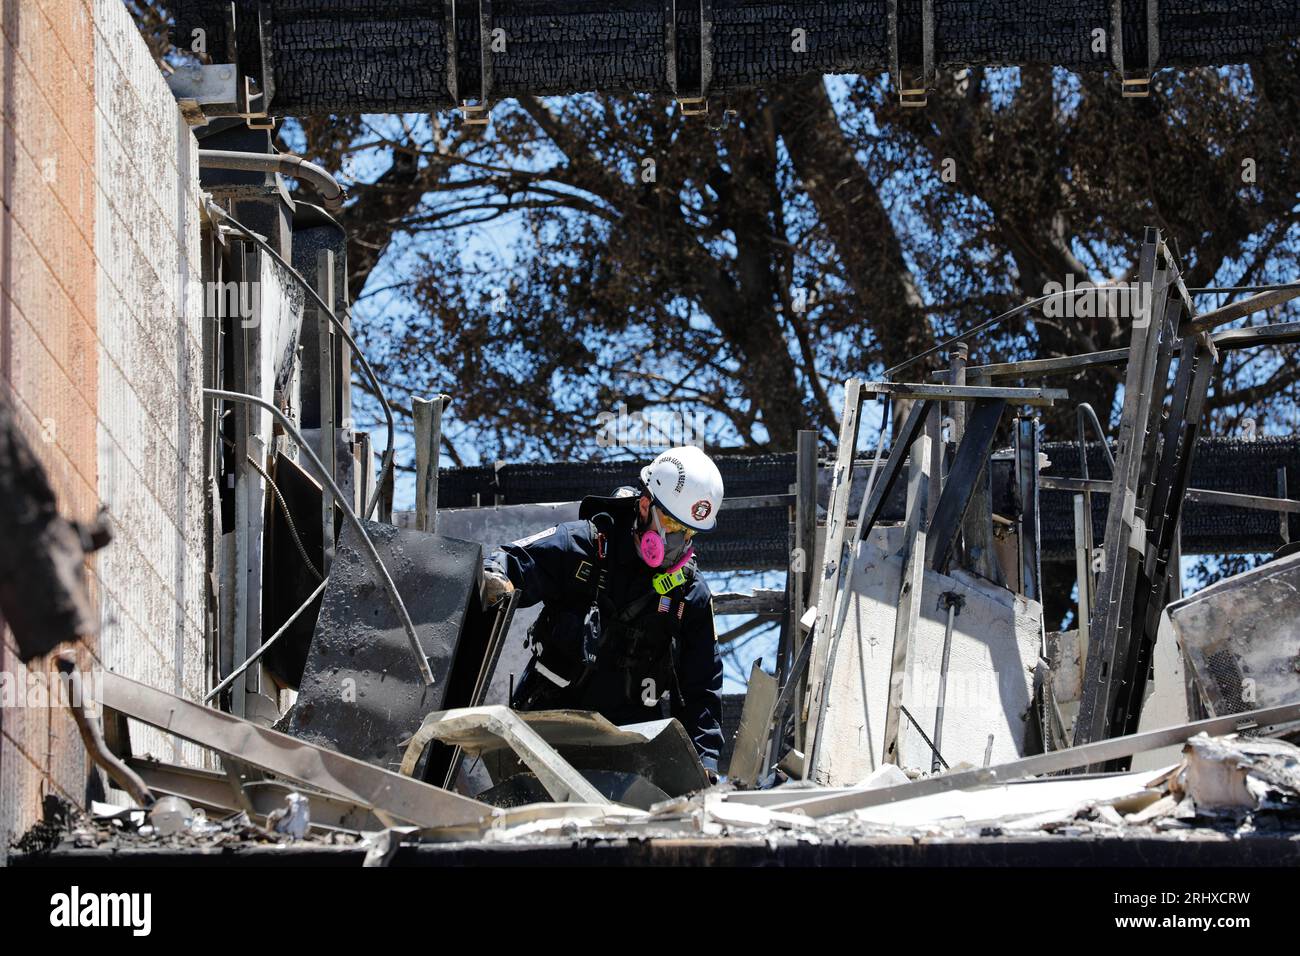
(549, 567)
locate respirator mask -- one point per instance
(665, 542)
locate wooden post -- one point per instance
(907, 612)
(833, 564)
(428, 439)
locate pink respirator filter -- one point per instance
(652, 548)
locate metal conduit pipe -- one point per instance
(367, 545)
(287, 164)
(386, 466)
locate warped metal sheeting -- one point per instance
(361, 693)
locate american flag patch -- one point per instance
(665, 605)
(681, 609)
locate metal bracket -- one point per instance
(255, 116)
(261, 118)
(264, 40)
(449, 34)
(1135, 85)
(690, 105)
(912, 96)
(205, 91)
(472, 114)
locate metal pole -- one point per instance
(325, 359)
(907, 610)
(805, 542)
(265, 645)
(428, 440)
(957, 361)
(952, 601)
(1083, 571)
(833, 564)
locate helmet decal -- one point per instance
(681, 471)
(700, 510)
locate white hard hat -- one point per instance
(686, 484)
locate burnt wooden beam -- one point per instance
(392, 55)
(969, 468)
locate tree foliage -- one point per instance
(593, 250)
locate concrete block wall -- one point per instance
(149, 293)
(101, 355)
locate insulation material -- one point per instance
(995, 645)
(1166, 699)
(1238, 774)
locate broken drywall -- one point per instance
(995, 645)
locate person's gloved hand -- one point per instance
(495, 588)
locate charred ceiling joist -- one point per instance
(393, 55)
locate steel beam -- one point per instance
(1083, 575)
(325, 345)
(1229, 340)
(832, 565)
(804, 558)
(1263, 721)
(1169, 484)
(428, 443)
(1034, 368)
(1028, 540)
(290, 758)
(1237, 310)
(965, 393)
(1125, 531)
(1203, 496)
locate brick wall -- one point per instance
(100, 353)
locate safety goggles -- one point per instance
(670, 525)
